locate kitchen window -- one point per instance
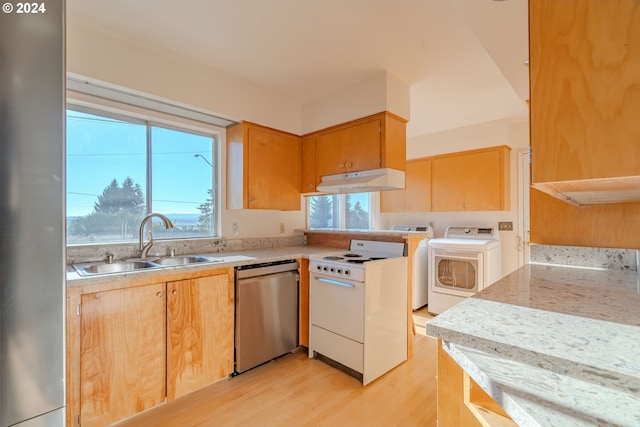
(340, 211)
(121, 168)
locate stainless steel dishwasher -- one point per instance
(266, 312)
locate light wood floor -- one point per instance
(297, 391)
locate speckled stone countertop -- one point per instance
(228, 259)
(554, 346)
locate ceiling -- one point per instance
(464, 60)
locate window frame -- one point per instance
(114, 110)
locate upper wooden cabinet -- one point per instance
(476, 180)
(263, 168)
(368, 143)
(584, 76)
(309, 164)
(416, 197)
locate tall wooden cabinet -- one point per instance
(132, 345)
(585, 97)
(584, 76)
(264, 168)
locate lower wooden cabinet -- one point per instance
(199, 333)
(134, 345)
(122, 353)
(461, 401)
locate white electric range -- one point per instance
(358, 309)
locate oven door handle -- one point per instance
(335, 282)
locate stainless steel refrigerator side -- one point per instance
(32, 243)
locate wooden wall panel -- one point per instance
(554, 222)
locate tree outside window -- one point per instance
(341, 211)
(119, 169)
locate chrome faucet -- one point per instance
(144, 247)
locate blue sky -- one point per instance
(101, 149)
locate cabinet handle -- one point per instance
(310, 185)
(349, 164)
(159, 294)
(253, 202)
(340, 165)
(175, 292)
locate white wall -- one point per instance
(501, 132)
(113, 59)
(381, 92)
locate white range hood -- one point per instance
(363, 181)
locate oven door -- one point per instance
(455, 272)
(337, 305)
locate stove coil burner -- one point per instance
(351, 255)
(333, 258)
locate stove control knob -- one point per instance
(325, 268)
(332, 269)
(347, 272)
(339, 271)
(319, 267)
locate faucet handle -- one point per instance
(109, 258)
(172, 252)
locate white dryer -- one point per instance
(463, 262)
(420, 261)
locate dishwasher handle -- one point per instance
(254, 270)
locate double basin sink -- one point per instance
(143, 264)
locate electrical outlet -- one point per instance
(282, 227)
(235, 229)
(505, 226)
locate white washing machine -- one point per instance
(420, 280)
(463, 262)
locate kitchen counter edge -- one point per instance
(236, 258)
(546, 363)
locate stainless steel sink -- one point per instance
(184, 260)
(115, 267)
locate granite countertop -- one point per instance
(552, 345)
(229, 259)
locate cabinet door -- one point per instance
(363, 148)
(331, 152)
(393, 200)
(200, 333)
(585, 74)
(416, 197)
(349, 148)
(309, 164)
(483, 181)
(275, 170)
(122, 353)
(418, 183)
(448, 184)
